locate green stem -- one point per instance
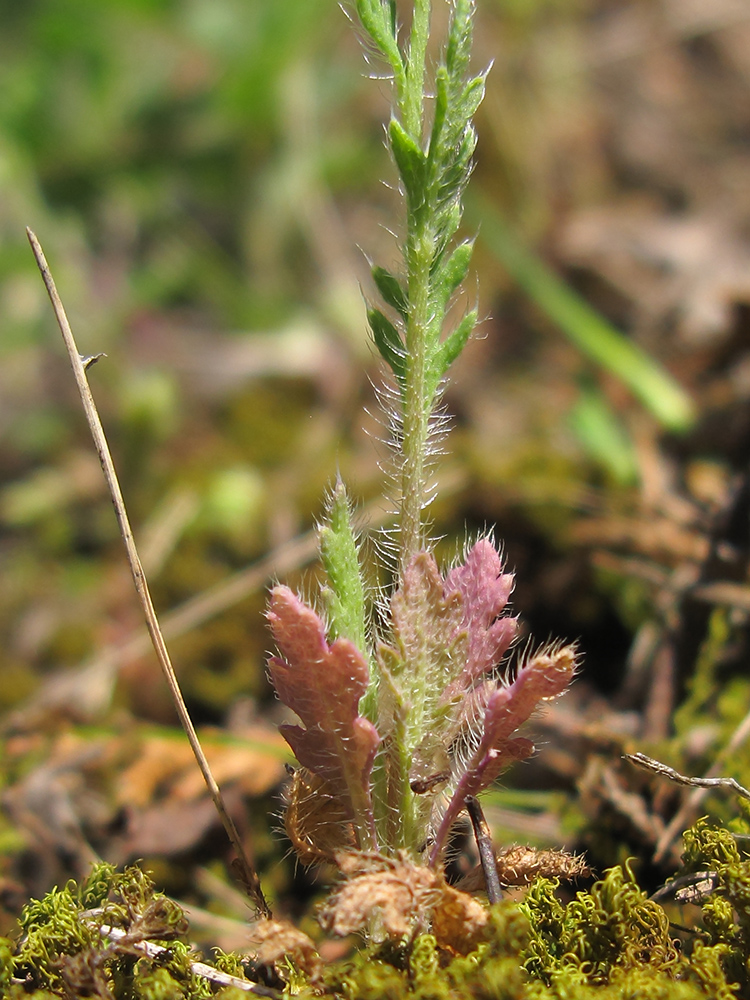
(419, 251)
(412, 102)
(416, 407)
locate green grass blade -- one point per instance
(587, 329)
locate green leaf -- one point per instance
(585, 327)
(410, 160)
(388, 342)
(603, 435)
(459, 39)
(472, 97)
(392, 16)
(393, 292)
(344, 594)
(454, 344)
(439, 115)
(449, 275)
(378, 18)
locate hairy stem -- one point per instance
(419, 254)
(412, 102)
(416, 412)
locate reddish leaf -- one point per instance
(427, 624)
(324, 684)
(485, 591)
(507, 707)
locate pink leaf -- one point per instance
(506, 707)
(427, 624)
(324, 684)
(485, 591)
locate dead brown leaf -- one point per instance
(315, 819)
(166, 767)
(170, 827)
(458, 921)
(403, 899)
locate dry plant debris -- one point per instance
(274, 941)
(520, 865)
(400, 899)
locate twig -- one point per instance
(197, 968)
(246, 870)
(701, 786)
(693, 888)
(486, 850)
(649, 764)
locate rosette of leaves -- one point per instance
(394, 736)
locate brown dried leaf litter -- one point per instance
(403, 899)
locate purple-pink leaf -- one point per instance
(485, 591)
(506, 707)
(427, 624)
(323, 684)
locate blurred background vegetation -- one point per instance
(206, 177)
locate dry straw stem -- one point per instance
(641, 760)
(245, 868)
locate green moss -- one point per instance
(6, 965)
(608, 943)
(158, 984)
(611, 943)
(708, 847)
(611, 927)
(726, 912)
(65, 947)
(638, 984)
(424, 972)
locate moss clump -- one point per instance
(66, 948)
(613, 941)
(424, 972)
(726, 911)
(609, 943)
(611, 927)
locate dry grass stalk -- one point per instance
(79, 364)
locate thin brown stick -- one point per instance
(246, 870)
(641, 760)
(701, 786)
(486, 850)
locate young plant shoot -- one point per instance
(404, 719)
